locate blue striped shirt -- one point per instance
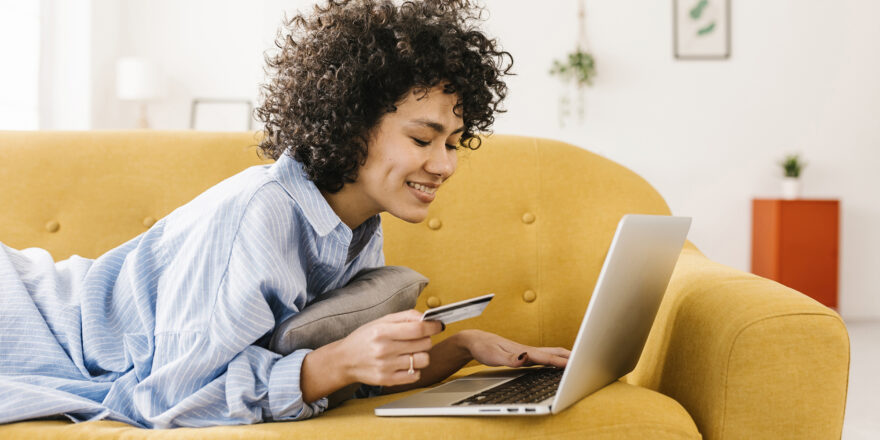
(170, 328)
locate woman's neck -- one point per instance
(349, 205)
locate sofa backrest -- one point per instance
(525, 218)
(86, 192)
(528, 219)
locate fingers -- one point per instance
(412, 346)
(383, 347)
(401, 374)
(403, 377)
(421, 360)
(405, 331)
(408, 325)
(404, 316)
(558, 351)
(411, 315)
(555, 356)
(544, 357)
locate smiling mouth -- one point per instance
(422, 188)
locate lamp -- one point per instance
(137, 79)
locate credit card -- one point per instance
(458, 311)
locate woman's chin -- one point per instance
(411, 216)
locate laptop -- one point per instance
(608, 345)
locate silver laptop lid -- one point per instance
(625, 301)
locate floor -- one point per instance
(862, 419)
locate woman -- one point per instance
(366, 105)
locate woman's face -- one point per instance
(411, 153)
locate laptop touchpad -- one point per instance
(459, 386)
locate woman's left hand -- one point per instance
(493, 350)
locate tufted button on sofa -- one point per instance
(433, 301)
(730, 356)
(53, 226)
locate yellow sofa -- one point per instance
(731, 355)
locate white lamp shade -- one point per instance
(136, 79)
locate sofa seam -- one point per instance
(538, 279)
(848, 367)
(732, 345)
(667, 428)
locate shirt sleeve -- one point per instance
(375, 257)
(209, 372)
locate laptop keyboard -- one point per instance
(531, 387)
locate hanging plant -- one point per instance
(578, 66)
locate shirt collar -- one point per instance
(320, 215)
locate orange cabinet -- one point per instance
(795, 242)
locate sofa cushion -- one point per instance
(618, 411)
(371, 294)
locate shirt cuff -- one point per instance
(285, 394)
(367, 391)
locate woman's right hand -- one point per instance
(378, 352)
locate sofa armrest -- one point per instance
(746, 356)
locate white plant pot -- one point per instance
(791, 188)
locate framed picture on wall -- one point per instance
(701, 29)
(212, 114)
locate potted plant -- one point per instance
(791, 184)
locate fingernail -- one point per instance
(521, 356)
(442, 326)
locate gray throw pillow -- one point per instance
(369, 295)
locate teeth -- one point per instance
(422, 188)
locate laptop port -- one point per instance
(489, 410)
(530, 409)
(512, 409)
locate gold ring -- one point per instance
(411, 370)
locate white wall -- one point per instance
(707, 134)
(204, 48)
(105, 38)
(19, 86)
(65, 101)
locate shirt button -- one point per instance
(149, 221)
(529, 296)
(433, 302)
(435, 223)
(528, 218)
(52, 226)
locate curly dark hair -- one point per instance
(340, 69)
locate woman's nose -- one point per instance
(441, 162)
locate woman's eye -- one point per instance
(420, 142)
(451, 147)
